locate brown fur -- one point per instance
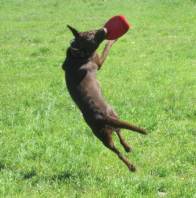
(81, 65)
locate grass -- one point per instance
(46, 149)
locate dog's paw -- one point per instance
(128, 149)
(132, 168)
(143, 132)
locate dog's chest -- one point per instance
(83, 87)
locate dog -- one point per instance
(80, 66)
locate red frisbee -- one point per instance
(116, 27)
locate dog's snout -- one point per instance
(101, 34)
(104, 31)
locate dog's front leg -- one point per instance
(104, 54)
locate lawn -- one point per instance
(47, 150)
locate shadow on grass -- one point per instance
(73, 177)
(34, 178)
(2, 166)
(29, 174)
(83, 176)
(62, 177)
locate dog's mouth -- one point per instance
(101, 35)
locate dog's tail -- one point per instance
(124, 125)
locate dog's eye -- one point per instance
(90, 36)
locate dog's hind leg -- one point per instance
(113, 114)
(108, 142)
(124, 125)
(122, 141)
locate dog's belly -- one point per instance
(90, 100)
(88, 97)
(86, 93)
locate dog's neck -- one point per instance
(79, 53)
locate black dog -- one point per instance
(81, 65)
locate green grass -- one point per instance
(47, 150)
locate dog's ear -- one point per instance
(73, 30)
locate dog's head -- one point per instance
(87, 42)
